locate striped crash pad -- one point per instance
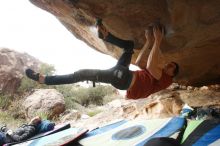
(61, 138)
(136, 132)
(202, 133)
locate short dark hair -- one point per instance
(176, 70)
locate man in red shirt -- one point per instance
(139, 84)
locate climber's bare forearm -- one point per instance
(154, 56)
(143, 53)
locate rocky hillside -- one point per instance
(192, 39)
(12, 66)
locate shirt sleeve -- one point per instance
(23, 133)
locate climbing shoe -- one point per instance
(32, 74)
(102, 31)
(98, 22)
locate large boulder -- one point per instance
(12, 66)
(72, 115)
(192, 39)
(164, 105)
(48, 102)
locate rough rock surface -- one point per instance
(12, 66)
(192, 39)
(167, 103)
(44, 101)
(70, 115)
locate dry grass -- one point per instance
(7, 119)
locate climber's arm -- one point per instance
(145, 50)
(155, 57)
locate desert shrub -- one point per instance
(109, 90)
(68, 92)
(7, 119)
(47, 69)
(109, 98)
(27, 85)
(70, 103)
(84, 96)
(81, 96)
(16, 110)
(5, 101)
(93, 112)
(96, 95)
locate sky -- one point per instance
(27, 28)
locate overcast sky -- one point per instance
(27, 28)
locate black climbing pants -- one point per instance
(119, 76)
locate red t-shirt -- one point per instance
(145, 84)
